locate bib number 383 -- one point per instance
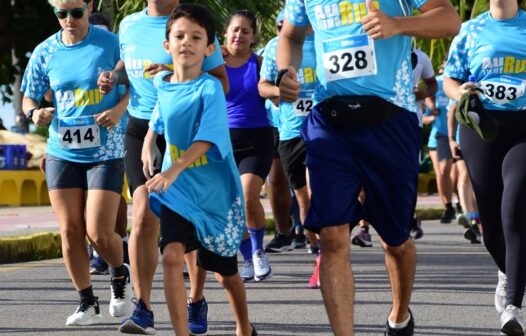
(78, 133)
(348, 57)
(503, 90)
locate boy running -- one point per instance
(191, 113)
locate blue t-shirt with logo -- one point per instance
(141, 45)
(292, 115)
(71, 72)
(348, 61)
(208, 193)
(493, 53)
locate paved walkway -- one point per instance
(455, 283)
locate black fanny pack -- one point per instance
(358, 110)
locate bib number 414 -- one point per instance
(79, 133)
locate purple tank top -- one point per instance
(245, 107)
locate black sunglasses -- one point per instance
(75, 13)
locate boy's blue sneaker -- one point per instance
(198, 317)
(141, 321)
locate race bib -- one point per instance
(78, 132)
(303, 105)
(348, 57)
(503, 90)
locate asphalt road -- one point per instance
(453, 294)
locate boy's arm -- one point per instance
(161, 182)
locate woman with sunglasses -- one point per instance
(84, 166)
(489, 54)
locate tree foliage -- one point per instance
(23, 25)
(265, 11)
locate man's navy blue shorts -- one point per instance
(383, 159)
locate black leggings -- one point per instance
(498, 174)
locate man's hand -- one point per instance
(106, 81)
(154, 69)
(289, 87)
(224, 51)
(43, 116)
(377, 24)
(107, 119)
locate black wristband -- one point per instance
(281, 73)
(29, 114)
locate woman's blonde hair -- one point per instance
(56, 2)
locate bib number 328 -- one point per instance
(78, 133)
(348, 57)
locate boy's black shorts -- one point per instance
(175, 228)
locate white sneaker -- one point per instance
(512, 321)
(462, 220)
(247, 274)
(85, 315)
(500, 292)
(262, 269)
(121, 295)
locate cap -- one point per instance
(471, 113)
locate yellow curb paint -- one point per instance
(28, 248)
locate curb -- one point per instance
(29, 248)
(41, 246)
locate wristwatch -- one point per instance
(281, 73)
(29, 114)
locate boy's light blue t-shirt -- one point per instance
(292, 115)
(208, 193)
(141, 45)
(493, 52)
(348, 61)
(71, 72)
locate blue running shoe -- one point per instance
(198, 317)
(97, 265)
(141, 321)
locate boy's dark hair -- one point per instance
(197, 14)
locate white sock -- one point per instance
(399, 325)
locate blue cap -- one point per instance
(280, 17)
